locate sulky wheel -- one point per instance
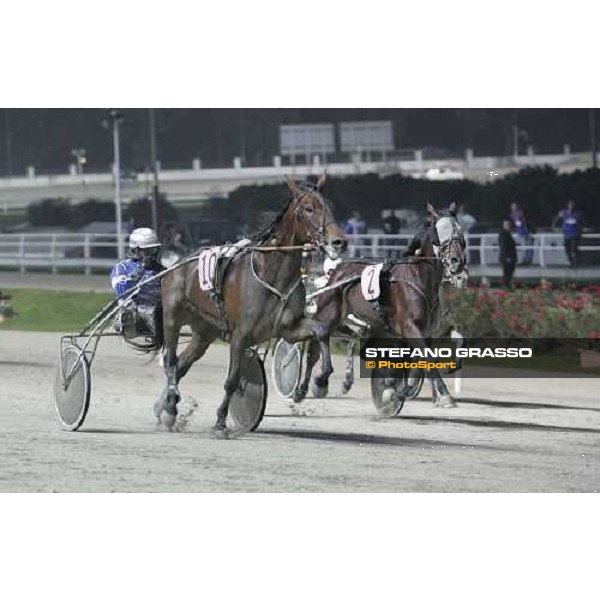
(286, 368)
(248, 402)
(417, 387)
(383, 388)
(72, 387)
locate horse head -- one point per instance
(451, 240)
(313, 217)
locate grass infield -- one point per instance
(50, 310)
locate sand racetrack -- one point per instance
(506, 435)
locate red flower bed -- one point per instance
(540, 312)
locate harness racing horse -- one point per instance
(262, 296)
(410, 306)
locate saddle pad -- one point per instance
(209, 258)
(207, 267)
(369, 281)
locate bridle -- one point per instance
(456, 240)
(315, 236)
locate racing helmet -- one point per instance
(143, 243)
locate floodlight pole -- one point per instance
(116, 117)
(154, 161)
(7, 137)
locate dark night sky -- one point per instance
(44, 138)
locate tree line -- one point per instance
(541, 191)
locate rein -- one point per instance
(283, 297)
(333, 286)
(305, 248)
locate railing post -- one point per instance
(86, 254)
(542, 238)
(351, 246)
(467, 247)
(482, 260)
(53, 254)
(22, 253)
(375, 247)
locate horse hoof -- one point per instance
(220, 433)
(392, 403)
(444, 402)
(168, 420)
(299, 395)
(319, 391)
(399, 407)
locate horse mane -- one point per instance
(266, 232)
(426, 233)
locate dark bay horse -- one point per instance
(411, 303)
(262, 296)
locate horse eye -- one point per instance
(309, 209)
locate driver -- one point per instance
(140, 317)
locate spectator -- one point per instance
(354, 227)
(571, 227)
(391, 226)
(465, 220)
(178, 242)
(508, 253)
(519, 223)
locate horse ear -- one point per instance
(431, 210)
(322, 181)
(452, 209)
(291, 186)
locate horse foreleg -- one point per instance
(309, 328)
(415, 339)
(441, 396)
(165, 408)
(349, 379)
(194, 351)
(237, 347)
(312, 356)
